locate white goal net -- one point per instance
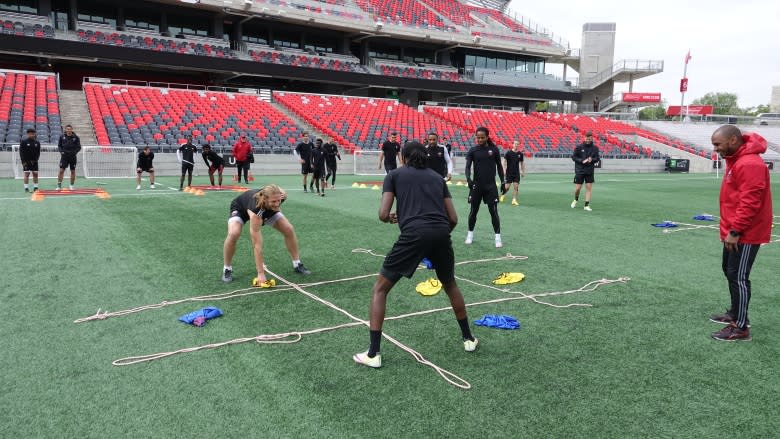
(366, 163)
(93, 162)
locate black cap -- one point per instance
(30, 130)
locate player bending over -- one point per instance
(259, 207)
(214, 162)
(426, 217)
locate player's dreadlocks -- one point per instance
(414, 155)
(265, 192)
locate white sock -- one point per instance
(296, 263)
(470, 234)
(35, 185)
(26, 186)
(228, 267)
(498, 237)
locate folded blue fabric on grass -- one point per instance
(427, 263)
(199, 317)
(498, 321)
(705, 217)
(667, 224)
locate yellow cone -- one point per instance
(363, 186)
(460, 183)
(355, 184)
(375, 187)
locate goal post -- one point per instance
(93, 161)
(365, 162)
(109, 161)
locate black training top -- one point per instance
(188, 151)
(486, 160)
(304, 150)
(29, 150)
(69, 145)
(331, 151)
(318, 157)
(145, 161)
(513, 160)
(420, 195)
(391, 149)
(582, 152)
(435, 159)
(212, 157)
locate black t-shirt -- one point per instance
(188, 151)
(435, 159)
(212, 157)
(246, 201)
(486, 160)
(331, 151)
(145, 161)
(581, 152)
(513, 160)
(318, 157)
(419, 195)
(391, 149)
(304, 150)
(29, 150)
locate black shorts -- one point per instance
(145, 169)
(331, 164)
(412, 247)
(186, 168)
(31, 166)
(213, 169)
(242, 165)
(583, 178)
(389, 167)
(68, 161)
(319, 173)
(237, 211)
(513, 178)
(483, 194)
(306, 167)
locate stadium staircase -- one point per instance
(301, 122)
(76, 113)
(622, 71)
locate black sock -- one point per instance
(587, 202)
(465, 330)
(576, 198)
(376, 338)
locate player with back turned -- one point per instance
(331, 153)
(426, 216)
(303, 152)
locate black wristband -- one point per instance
(734, 233)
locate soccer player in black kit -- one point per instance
(426, 216)
(514, 164)
(69, 146)
(29, 154)
(186, 156)
(303, 152)
(318, 155)
(391, 149)
(486, 158)
(438, 158)
(585, 157)
(259, 207)
(214, 162)
(144, 164)
(331, 153)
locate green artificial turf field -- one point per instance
(639, 362)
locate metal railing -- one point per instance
(625, 65)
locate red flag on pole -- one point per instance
(688, 56)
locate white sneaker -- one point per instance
(70, 187)
(364, 359)
(499, 244)
(574, 204)
(469, 345)
(588, 208)
(59, 188)
(151, 186)
(469, 239)
(138, 188)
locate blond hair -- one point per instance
(264, 193)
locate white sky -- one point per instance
(735, 45)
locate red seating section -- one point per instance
(364, 123)
(29, 101)
(299, 60)
(418, 72)
(457, 12)
(406, 12)
(154, 43)
(37, 30)
(605, 127)
(163, 117)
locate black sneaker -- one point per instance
(35, 189)
(26, 189)
(322, 194)
(725, 319)
(301, 269)
(732, 333)
(227, 276)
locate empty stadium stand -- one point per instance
(364, 123)
(29, 100)
(700, 134)
(162, 117)
(15, 27)
(407, 70)
(302, 59)
(156, 43)
(404, 13)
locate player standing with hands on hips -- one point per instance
(486, 158)
(585, 157)
(426, 217)
(745, 221)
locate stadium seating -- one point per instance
(29, 100)
(455, 11)
(537, 136)
(501, 18)
(364, 123)
(404, 13)
(607, 128)
(162, 117)
(150, 42)
(307, 60)
(345, 10)
(518, 38)
(37, 30)
(406, 70)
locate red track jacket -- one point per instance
(241, 151)
(745, 196)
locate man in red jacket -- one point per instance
(241, 151)
(745, 221)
